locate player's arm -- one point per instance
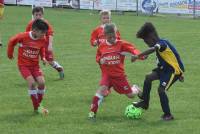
(151, 50)
(11, 44)
(29, 27)
(118, 35)
(42, 55)
(94, 38)
(130, 49)
(50, 35)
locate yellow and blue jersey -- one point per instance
(168, 57)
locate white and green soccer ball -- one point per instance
(133, 112)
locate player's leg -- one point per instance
(38, 75)
(32, 86)
(145, 96)
(54, 64)
(99, 95)
(97, 100)
(167, 79)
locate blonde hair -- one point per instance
(105, 12)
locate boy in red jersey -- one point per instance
(98, 36)
(38, 13)
(110, 57)
(1, 16)
(31, 45)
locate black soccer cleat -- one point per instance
(167, 117)
(141, 104)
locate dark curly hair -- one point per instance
(147, 29)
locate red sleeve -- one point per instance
(29, 26)
(12, 43)
(93, 37)
(118, 35)
(130, 48)
(42, 53)
(98, 56)
(50, 30)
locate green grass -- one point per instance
(68, 101)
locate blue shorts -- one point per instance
(166, 77)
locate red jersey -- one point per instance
(49, 32)
(98, 35)
(114, 56)
(29, 48)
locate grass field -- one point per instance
(68, 100)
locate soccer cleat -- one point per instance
(141, 104)
(167, 117)
(61, 74)
(92, 116)
(42, 110)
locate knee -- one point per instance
(41, 84)
(161, 90)
(102, 91)
(148, 78)
(32, 85)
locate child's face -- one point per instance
(105, 19)
(37, 34)
(38, 15)
(111, 38)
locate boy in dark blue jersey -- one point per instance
(169, 69)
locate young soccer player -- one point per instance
(169, 69)
(110, 57)
(98, 36)
(38, 13)
(31, 45)
(1, 16)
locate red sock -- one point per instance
(34, 98)
(97, 99)
(40, 93)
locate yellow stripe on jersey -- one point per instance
(170, 58)
(1, 11)
(170, 81)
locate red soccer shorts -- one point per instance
(120, 84)
(49, 56)
(26, 71)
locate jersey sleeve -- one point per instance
(129, 48)
(50, 30)
(12, 43)
(29, 26)
(93, 37)
(118, 35)
(160, 47)
(98, 56)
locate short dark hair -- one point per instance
(37, 9)
(147, 29)
(41, 25)
(109, 28)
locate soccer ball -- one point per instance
(135, 90)
(132, 112)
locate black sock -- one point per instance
(164, 103)
(146, 91)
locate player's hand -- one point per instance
(102, 61)
(134, 58)
(44, 61)
(181, 78)
(96, 43)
